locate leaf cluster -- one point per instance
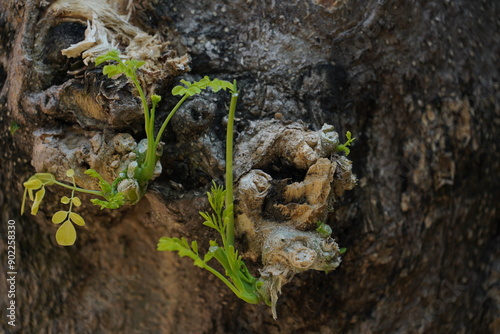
(193, 88)
(66, 233)
(238, 278)
(129, 67)
(345, 147)
(36, 182)
(183, 247)
(323, 229)
(114, 199)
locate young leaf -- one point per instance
(323, 229)
(66, 234)
(59, 217)
(38, 200)
(46, 178)
(93, 173)
(33, 184)
(77, 219)
(155, 98)
(65, 200)
(110, 55)
(179, 90)
(113, 202)
(112, 70)
(106, 188)
(194, 246)
(13, 127)
(76, 201)
(345, 147)
(134, 64)
(70, 173)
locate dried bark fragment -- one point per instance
(277, 216)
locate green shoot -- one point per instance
(142, 172)
(114, 199)
(129, 67)
(345, 147)
(237, 277)
(66, 234)
(13, 127)
(323, 229)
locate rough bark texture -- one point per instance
(416, 82)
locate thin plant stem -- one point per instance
(229, 165)
(170, 115)
(93, 192)
(72, 194)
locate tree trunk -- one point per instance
(417, 84)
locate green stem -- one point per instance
(150, 162)
(170, 115)
(229, 165)
(72, 194)
(149, 165)
(247, 297)
(86, 191)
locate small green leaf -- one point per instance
(199, 262)
(114, 202)
(65, 200)
(33, 184)
(345, 147)
(194, 246)
(193, 90)
(13, 127)
(38, 200)
(76, 201)
(342, 250)
(46, 178)
(210, 224)
(155, 98)
(93, 173)
(70, 173)
(110, 55)
(134, 64)
(112, 70)
(76, 218)
(323, 229)
(59, 217)
(179, 90)
(208, 256)
(105, 186)
(66, 234)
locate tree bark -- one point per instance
(417, 83)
